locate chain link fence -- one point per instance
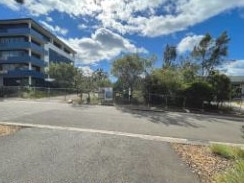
(176, 102)
(37, 92)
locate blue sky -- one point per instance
(102, 30)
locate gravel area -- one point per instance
(6, 130)
(201, 161)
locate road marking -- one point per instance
(118, 133)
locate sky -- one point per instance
(103, 30)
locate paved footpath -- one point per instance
(52, 156)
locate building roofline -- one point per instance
(47, 32)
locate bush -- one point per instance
(197, 93)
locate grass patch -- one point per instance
(234, 174)
(227, 151)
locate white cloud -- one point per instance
(102, 45)
(149, 18)
(188, 43)
(11, 4)
(49, 19)
(54, 29)
(233, 68)
(86, 70)
(82, 26)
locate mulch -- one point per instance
(202, 161)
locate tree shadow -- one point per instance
(163, 117)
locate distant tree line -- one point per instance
(193, 79)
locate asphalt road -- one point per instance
(54, 155)
(167, 124)
(36, 155)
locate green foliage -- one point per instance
(64, 75)
(210, 52)
(221, 86)
(164, 81)
(169, 56)
(234, 174)
(100, 79)
(189, 71)
(227, 152)
(129, 70)
(198, 92)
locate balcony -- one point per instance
(37, 48)
(22, 59)
(23, 73)
(23, 31)
(14, 45)
(38, 35)
(22, 45)
(16, 31)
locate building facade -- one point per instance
(26, 49)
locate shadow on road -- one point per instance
(165, 118)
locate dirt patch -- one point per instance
(6, 130)
(201, 161)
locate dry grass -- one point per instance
(6, 130)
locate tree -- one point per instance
(100, 78)
(169, 55)
(211, 52)
(202, 51)
(198, 92)
(130, 68)
(221, 86)
(219, 52)
(64, 75)
(188, 70)
(167, 81)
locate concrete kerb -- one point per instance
(118, 133)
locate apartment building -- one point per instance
(26, 49)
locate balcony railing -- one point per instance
(24, 73)
(22, 31)
(23, 59)
(15, 45)
(22, 45)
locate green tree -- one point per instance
(219, 52)
(130, 68)
(202, 51)
(169, 55)
(198, 92)
(211, 52)
(188, 70)
(64, 75)
(100, 78)
(221, 86)
(167, 81)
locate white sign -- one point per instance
(108, 94)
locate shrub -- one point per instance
(197, 93)
(227, 151)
